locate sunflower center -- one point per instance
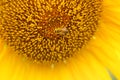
(48, 31)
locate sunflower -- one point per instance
(59, 39)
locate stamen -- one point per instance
(48, 31)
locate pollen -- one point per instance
(48, 31)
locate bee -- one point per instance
(61, 31)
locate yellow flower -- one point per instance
(92, 62)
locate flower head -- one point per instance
(59, 39)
